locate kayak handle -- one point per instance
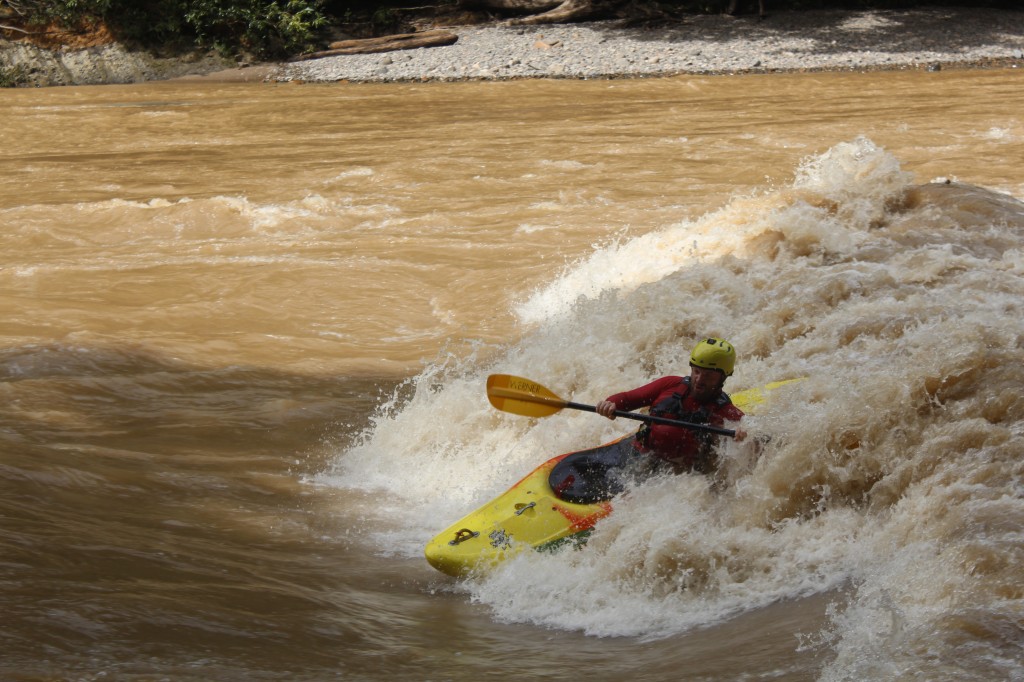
(520, 508)
(463, 535)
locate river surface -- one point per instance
(246, 330)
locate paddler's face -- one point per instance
(705, 383)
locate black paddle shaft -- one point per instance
(658, 420)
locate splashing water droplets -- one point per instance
(892, 299)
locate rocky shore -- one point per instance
(931, 38)
(704, 44)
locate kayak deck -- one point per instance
(530, 514)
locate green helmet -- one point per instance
(714, 354)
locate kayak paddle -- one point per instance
(528, 398)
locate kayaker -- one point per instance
(698, 398)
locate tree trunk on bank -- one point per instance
(542, 11)
(567, 11)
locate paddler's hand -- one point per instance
(740, 436)
(606, 408)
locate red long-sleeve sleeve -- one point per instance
(646, 395)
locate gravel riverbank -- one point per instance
(784, 41)
(698, 44)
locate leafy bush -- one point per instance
(67, 12)
(267, 28)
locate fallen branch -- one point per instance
(15, 28)
(402, 41)
(5, 27)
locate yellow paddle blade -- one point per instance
(752, 398)
(521, 396)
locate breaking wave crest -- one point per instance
(893, 476)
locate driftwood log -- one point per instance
(401, 41)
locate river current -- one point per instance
(246, 330)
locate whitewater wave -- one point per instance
(894, 470)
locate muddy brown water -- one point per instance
(246, 329)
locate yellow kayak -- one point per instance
(529, 514)
(557, 503)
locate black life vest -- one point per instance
(672, 408)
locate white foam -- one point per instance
(894, 468)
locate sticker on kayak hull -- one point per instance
(500, 539)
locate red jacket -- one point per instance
(683, 447)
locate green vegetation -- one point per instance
(276, 28)
(267, 28)
(12, 78)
